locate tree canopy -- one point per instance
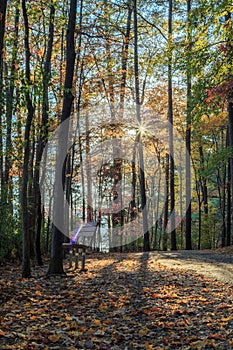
(147, 89)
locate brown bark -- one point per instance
(140, 146)
(170, 119)
(3, 6)
(56, 265)
(188, 226)
(26, 270)
(43, 135)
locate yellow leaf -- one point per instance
(149, 346)
(73, 325)
(226, 319)
(143, 331)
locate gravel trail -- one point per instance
(216, 265)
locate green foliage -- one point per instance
(217, 160)
(10, 237)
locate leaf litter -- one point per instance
(123, 302)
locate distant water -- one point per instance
(104, 235)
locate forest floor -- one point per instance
(172, 300)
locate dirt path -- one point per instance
(217, 265)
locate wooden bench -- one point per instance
(83, 238)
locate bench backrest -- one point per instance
(87, 234)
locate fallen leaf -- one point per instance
(54, 338)
(97, 322)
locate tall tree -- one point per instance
(229, 43)
(7, 88)
(188, 239)
(3, 6)
(56, 265)
(10, 99)
(44, 129)
(166, 203)
(170, 119)
(146, 245)
(26, 270)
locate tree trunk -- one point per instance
(88, 170)
(10, 100)
(170, 119)
(204, 182)
(6, 179)
(38, 231)
(165, 220)
(181, 211)
(146, 245)
(188, 139)
(31, 198)
(43, 136)
(199, 223)
(56, 265)
(3, 5)
(223, 205)
(26, 270)
(156, 206)
(228, 233)
(134, 181)
(230, 128)
(228, 22)
(125, 52)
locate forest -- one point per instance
(118, 112)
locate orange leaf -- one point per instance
(97, 322)
(103, 307)
(33, 317)
(216, 336)
(155, 295)
(107, 321)
(54, 338)
(156, 309)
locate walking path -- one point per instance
(217, 265)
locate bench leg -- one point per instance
(83, 260)
(76, 258)
(70, 258)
